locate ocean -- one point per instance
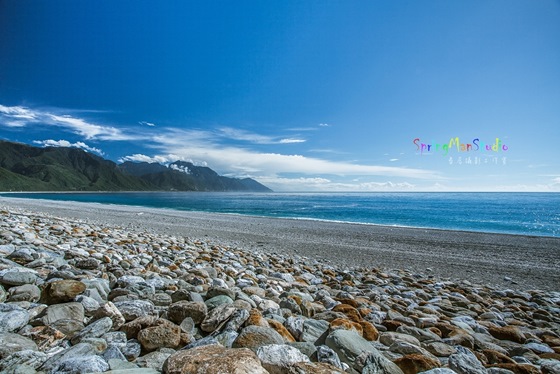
(536, 214)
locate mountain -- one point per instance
(27, 168)
(185, 176)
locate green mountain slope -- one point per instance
(27, 168)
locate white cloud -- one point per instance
(18, 116)
(150, 124)
(324, 125)
(66, 143)
(161, 159)
(394, 159)
(200, 145)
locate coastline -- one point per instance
(498, 260)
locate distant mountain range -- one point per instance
(27, 168)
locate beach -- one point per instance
(91, 288)
(506, 261)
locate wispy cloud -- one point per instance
(324, 125)
(18, 116)
(327, 185)
(66, 143)
(243, 135)
(149, 124)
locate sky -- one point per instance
(300, 95)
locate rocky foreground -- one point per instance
(79, 297)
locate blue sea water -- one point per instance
(512, 213)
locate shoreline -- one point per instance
(498, 260)
(243, 215)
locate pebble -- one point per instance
(83, 297)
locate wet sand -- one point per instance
(504, 261)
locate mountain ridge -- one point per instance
(27, 168)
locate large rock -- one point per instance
(359, 353)
(83, 364)
(12, 317)
(253, 337)
(512, 333)
(313, 329)
(213, 359)
(180, 310)
(110, 310)
(465, 362)
(27, 292)
(415, 363)
(164, 334)
(11, 343)
(132, 309)
(277, 358)
(94, 330)
(217, 317)
(62, 291)
(17, 361)
(73, 311)
(18, 277)
(388, 338)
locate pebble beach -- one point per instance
(90, 288)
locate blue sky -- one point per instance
(300, 95)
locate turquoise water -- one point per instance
(512, 213)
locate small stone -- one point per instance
(328, 356)
(89, 263)
(439, 371)
(62, 291)
(439, 349)
(180, 310)
(278, 358)
(217, 291)
(388, 338)
(253, 337)
(132, 309)
(539, 348)
(217, 317)
(66, 311)
(155, 360)
(313, 329)
(68, 327)
(23, 256)
(280, 329)
(237, 320)
(353, 349)
(94, 330)
(132, 349)
(227, 337)
(110, 310)
(217, 301)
